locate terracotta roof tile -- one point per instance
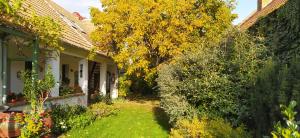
(252, 19)
(74, 31)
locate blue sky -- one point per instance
(243, 9)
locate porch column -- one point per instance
(83, 75)
(114, 85)
(54, 62)
(103, 72)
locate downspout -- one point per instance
(1, 74)
(4, 71)
(35, 58)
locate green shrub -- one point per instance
(61, 114)
(65, 90)
(98, 98)
(277, 84)
(206, 128)
(36, 93)
(292, 127)
(212, 79)
(124, 86)
(66, 117)
(102, 110)
(177, 108)
(82, 120)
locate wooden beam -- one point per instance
(15, 32)
(20, 59)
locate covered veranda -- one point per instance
(20, 50)
(33, 42)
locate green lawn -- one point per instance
(134, 120)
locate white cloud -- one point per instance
(81, 6)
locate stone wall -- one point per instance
(73, 99)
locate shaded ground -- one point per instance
(136, 119)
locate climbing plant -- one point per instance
(10, 6)
(281, 30)
(47, 29)
(278, 82)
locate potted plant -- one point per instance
(77, 89)
(8, 125)
(11, 97)
(37, 122)
(20, 97)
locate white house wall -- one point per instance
(54, 63)
(72, 100)
(114, 81)
(71, 55)
(15, 66)
(16, 84)
(79, 52)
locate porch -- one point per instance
(76, 77)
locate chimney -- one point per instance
(262, 4)
(78, 16)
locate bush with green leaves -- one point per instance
(276, 84)
(101, 110)
(124, 86)
(10, 6)
(212, 78)
(61, 114)
(207, 128)
(82, 120)
(66, 117)
(65, 90)
(291, 128)
(36, 92)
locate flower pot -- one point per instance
(8, 126)
(13, 101)
(48, 122)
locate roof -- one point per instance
(70, 34)
(253, 18)
(74, 31)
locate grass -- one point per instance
(138, 119)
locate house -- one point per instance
(277, 23)
(264, 8)
(69, 67)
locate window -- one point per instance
(81, 70)
(72, 23)
(28, 65)
(65, 71)
(76, 78)
(65, 74)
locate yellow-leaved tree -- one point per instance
(142, 34)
